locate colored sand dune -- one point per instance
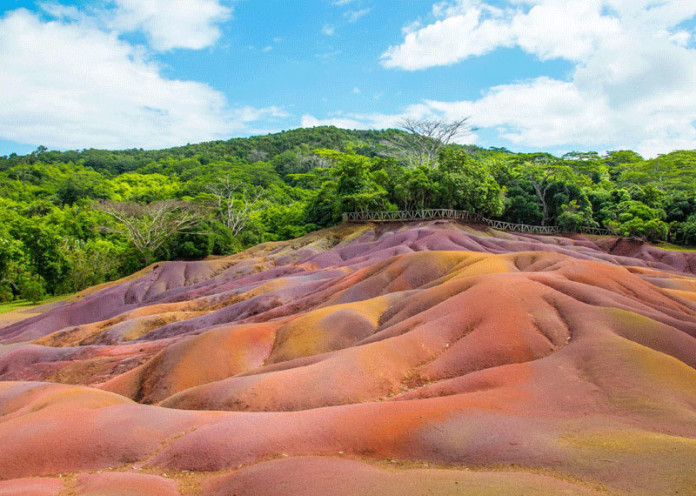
(373, 360)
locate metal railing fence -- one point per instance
(465, 216)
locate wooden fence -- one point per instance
(464, 216)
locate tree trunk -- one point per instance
(541, 195)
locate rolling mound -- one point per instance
(420, 359)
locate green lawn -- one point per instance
(669, 246)
(24, 304)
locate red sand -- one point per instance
(344, 477)
(425, 360)
(31, 487)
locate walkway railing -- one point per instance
(465, 216)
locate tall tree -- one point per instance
(468, 184)
(233, 205)
(149, 226)
(545, 173)
(423, 139)
(352, 185)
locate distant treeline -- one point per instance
(54, 239)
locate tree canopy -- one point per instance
(236, 193)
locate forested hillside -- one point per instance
(70, 220)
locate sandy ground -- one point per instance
(17, 315)
(6, 348)
(13, 316)
(393, 361)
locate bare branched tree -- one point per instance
(310, 162)
(233, 205)
(256, 155)
(149, 226)
(424, 138)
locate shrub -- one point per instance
(5, 293)
(33, 289)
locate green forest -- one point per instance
(70, 220)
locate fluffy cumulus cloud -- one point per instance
(70, 84)
(172, 24)
(632, 85)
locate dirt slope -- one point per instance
(418, 359)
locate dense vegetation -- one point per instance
(59, 211)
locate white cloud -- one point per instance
(61, 11)
(447, 41)
(248, 113)
(72, 85)
(570, 30)
(632, 84)
(345, 123)
(328, 55)
(681, 38)
(354, 121)
(548, 29)
(384, 121)
(355, 15)
(372, 120)
(328, 30)
(172, 24)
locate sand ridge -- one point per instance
(467, 361)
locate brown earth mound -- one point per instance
(430, 359)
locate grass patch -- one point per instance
(669, 246)
(25, 304)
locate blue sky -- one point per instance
(556, 75)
